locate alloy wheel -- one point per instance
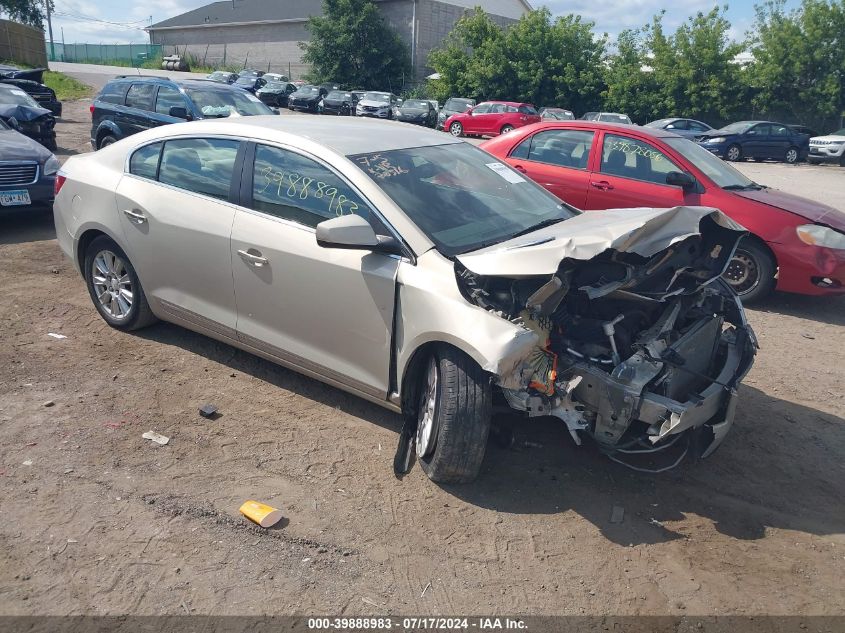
(456, 129)
(733, 153)
(792, 156)
(507, 129)
(743, 273)
(112, 284)
(426, 432)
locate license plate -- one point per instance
(815, 150)
(16, 198)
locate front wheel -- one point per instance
(506, 129)
(456, 129)
(453, 417)
(107, 140)
(114, 286)
(734, 153)
(792, 156)
(751, 272)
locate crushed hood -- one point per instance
(643, 231)
(813, 211)
(22, 112)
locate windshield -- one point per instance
(245, 81)
(838, 132)
(377, 96)
(18, 97)
(714, 168)
(458, 105)
(339, 95)
(222, 103)
(308, 90)
(736, 128)
(659, 123)
(416, 104)
(276, 85)
(608, 117)
(461, 197)
(560, 115)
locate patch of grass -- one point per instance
(66, 87)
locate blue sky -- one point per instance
(110, 21)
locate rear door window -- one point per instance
(140, 96)
(563, 148)
(201, 165)
(168, 97)
(631, 158)
(296, 188)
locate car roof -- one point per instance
(511, 103)
(344, 135)
(608, 127)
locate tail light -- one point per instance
(91, 109)
(60, 181)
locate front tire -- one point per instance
(114, 286)
(734, 153)
(453, 417)
(792, 156)
(456, 129)
(751, 272)
(506, 129)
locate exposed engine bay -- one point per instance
(634, 351)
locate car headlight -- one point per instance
(716, 139)
(816, 235)
(51, 166)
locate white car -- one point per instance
(419, 272)
(379, 105)
(828, 149)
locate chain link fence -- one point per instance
(105, 54)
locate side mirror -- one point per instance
(179, 112)
(353, 232)
(680, 179)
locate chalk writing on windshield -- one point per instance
(285, 184)
(379, 166)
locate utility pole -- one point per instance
(50, 28)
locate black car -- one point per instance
(418, 111)
(134, 103)
(803, 129)
(223, 77)
(21, 112)
(250, 72)
(307, 98)
(454, 105)
(340, 102)
(276, 93)
(250, 83)
(30, 81)
(27, 172)
(759, 140)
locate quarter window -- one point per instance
(168, 97)
(290, 186)
(200, 165)
(144, 162)
(630, 158)
(564, 148)
(140, 96)
(114, 93)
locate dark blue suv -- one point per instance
(133, 103)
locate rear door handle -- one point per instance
(135, 215)
(520, 168)
(254, 258)
(602, 184)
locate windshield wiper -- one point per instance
(537, 227)
(750, 187)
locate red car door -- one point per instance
(631, 172)
(557, 159)
(474, 122)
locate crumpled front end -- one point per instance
(640, 350)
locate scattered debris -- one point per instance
(208, 410)
(158, 438)
(617, 514)
(372, 603)
(27, 462)
(68, 471)
(425, 589)
(809, 336)
(654, 521)
(49, 403)
(185, 607)
(260, 513)
(54, 335)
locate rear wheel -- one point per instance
(106, 140)
(751, 272)
(734, 153)
(453, 417)
(791, 156)
(114, 286)
(506, 129)
(456, 129)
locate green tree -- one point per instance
(798, 66)
(352, 44)
(539, 59)
(631, 84)
(25, 11)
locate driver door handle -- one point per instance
(135, 215)
(520, 168)
(602, 184)
(254, 258)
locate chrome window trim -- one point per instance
(24, 163)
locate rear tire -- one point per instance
(751, 272)
(109, 273)
(459, 409)
(792, 156)
(506, 128)
(107, 140)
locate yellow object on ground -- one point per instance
(266, 516)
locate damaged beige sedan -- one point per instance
(416, 271)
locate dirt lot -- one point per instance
(94, 519)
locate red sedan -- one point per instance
(491, 118)
(795, 244)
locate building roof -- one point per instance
(251, 11)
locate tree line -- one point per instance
(791, 65)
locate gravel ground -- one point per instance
(94, 519)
